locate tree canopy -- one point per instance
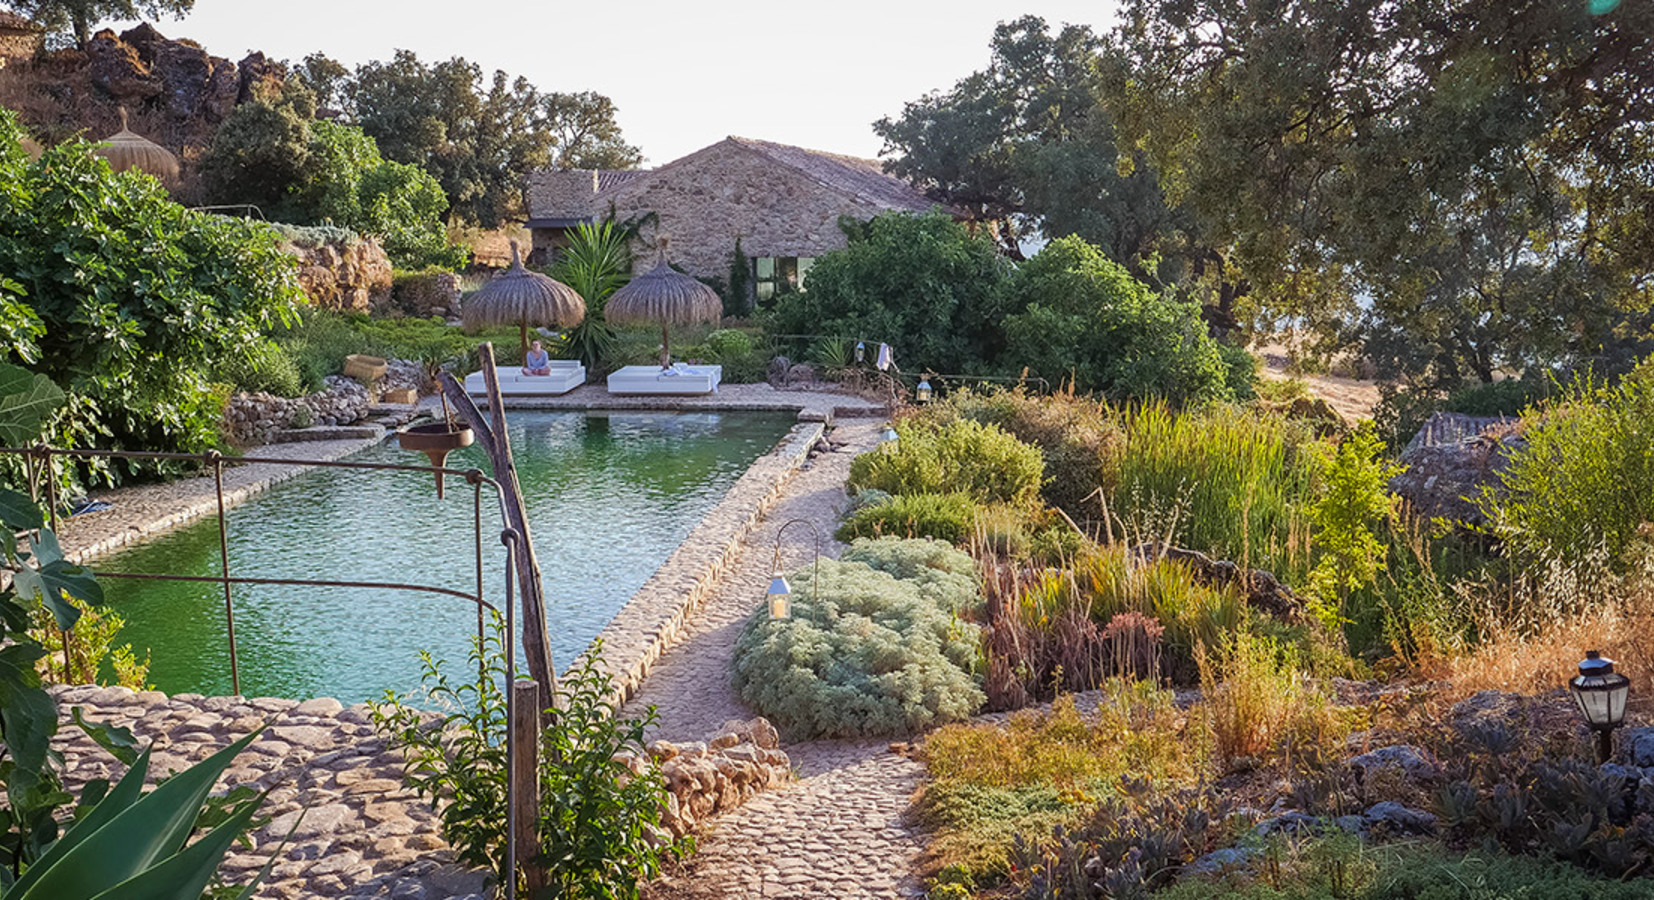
(77, 17)
(271, 153)
(477, 137)
(1456, 187)
(126, 299)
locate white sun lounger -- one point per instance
(680, 379)
(566, 375)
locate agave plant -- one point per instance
(132, 846)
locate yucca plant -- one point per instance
(596, 263)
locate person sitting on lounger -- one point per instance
(536, 361)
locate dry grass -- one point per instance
(1258, 707)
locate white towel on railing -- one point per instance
(884, 360)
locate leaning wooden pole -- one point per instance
(496, 444)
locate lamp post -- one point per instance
(780, 593)
(1600, 694)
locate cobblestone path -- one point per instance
(841, 831)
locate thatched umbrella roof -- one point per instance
(523, 298)
(666, 296)
(126, 150)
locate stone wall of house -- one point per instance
(711, 197)
(703, 203)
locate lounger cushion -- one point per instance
(680, 379)
(566, 375)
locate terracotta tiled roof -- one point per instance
(864, 179)
(11, 21)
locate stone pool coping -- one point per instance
(656, 616)
(809, 404)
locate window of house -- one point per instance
(773, 275)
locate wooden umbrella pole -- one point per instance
(522, 334)
(496, 445)
(665, 347)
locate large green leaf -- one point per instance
(117, 740)
(152, 829)
(117, 801)
(184, 875)
(18, 512)
(30, 717)
(26, 400)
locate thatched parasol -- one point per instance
(522, 298)
(126, 150)
(667, 296)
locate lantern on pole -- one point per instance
(1600, 693)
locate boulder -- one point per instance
(1261, 590)
(1399, 819)
(1407, 759)
(341, 273)
(1637, 745)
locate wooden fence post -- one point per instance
(525, 762)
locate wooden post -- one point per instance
(525, 770)
(496, 445)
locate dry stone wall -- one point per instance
(705, 778)
(255, 418)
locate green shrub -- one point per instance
(128, 299)
(945, 575)
(1085, 318)
(1583, 486)
(1075, 436)
(263, 367)
(735, 351)
(1240, 371)
(870, 654)
(946, 517)
(961, 456)
(597, 819)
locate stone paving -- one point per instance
(363, 836)
(841, 830)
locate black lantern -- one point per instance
(921, 394)
(1600, 693)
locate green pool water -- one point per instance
(609, 496)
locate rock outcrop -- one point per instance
(1261, 590)
(177, 92)
(340, 271)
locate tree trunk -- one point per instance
(83, 28)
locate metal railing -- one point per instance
(41, 468)
(40, 465)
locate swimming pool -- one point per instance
(609, 496)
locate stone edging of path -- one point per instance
(123, 527)
(655, 617)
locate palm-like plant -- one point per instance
(597, 262)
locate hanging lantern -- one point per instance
(780, 596)
(861, 351)
(921, 394)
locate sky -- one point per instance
(682, 75)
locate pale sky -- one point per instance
(682, 75)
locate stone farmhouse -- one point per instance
(782, 203)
